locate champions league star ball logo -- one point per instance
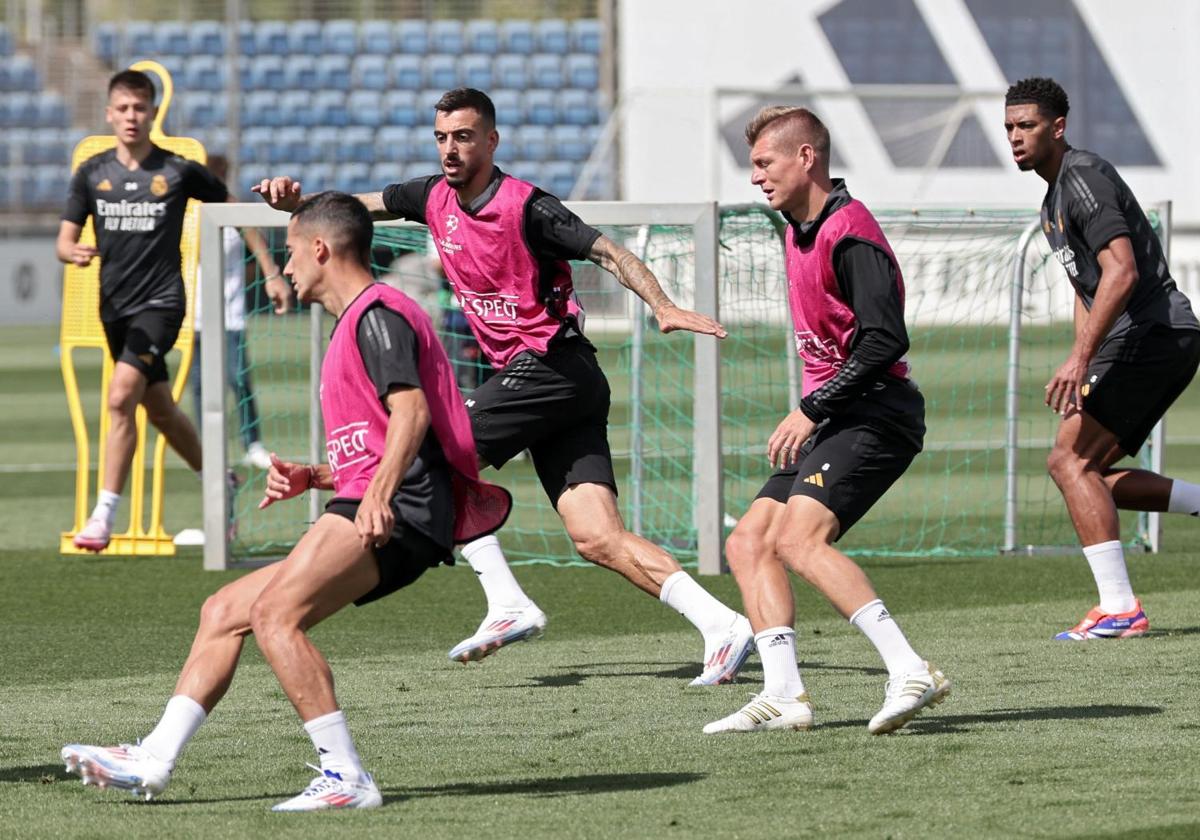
(451, 223)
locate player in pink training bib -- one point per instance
(401, 462)
(858, 427)
(505, 246)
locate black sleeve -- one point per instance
(199, 183)
(554, 232)
(388, 347)
(1094, 207)
(78, 205)
(867, 279)
(407, 200)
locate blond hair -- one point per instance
(796, 125)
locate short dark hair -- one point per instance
(342, 219)
(1046, 93)
(460, 98)
(133, 80)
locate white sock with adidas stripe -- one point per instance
(777, 650)
(877, 624)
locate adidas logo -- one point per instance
(778, 640)
(816, 478)
(884, 615)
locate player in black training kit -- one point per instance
(136, 195)
(1137, 346)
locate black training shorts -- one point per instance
(402, 559)
(556, 406)
(144, 339)
(1135, 377)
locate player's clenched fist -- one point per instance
(82, 255)
(280, 192)
(285, 480)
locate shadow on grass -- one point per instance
(35, 774)
(666, 671)
(941, 724)
(549, 786)
(1173, 631)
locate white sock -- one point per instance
(777, 650)
(501, 588)
(1185, 498)
(1107, 560)
(106, 506)
(685, 596)
(881, 629)
(331, 737)
(175, 728)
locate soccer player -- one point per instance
(237, 354)
(402, 466)
(504, 246)
(1136, 348)
(136, 195)
(859, 425)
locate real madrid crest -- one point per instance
(158, 185)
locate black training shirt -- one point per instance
(388, 347)
(138, 216)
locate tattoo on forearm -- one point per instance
(630, 272)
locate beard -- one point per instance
(463, 176)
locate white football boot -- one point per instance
(330, 790)
(766, 711)
(905, 697)
(500, 628)
(94, 535)
(725, 654)
(125, 767)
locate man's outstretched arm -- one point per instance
(282, 193)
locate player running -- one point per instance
(1137, 346)
(858, 427)
(504, 245)
(402, 466)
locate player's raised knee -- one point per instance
(746, 548)
(220, 614)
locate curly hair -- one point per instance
(1046, 93)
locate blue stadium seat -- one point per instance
(411, 37)
(420, 169)
(296, 108)
(329, 107)
(205, 72)
(545, 71)
(446, 37)
(19, 74)
(370, 72)
(441, 71)
(340, 37)
(22, 109)
(516, 36)
(404, 72)
(553, 36)
(256, 145)
(509, 110)
(264, 108)
(247, 38)
(6, 189)
(49, 186)
(249, 175)
(52, 110)
(427, 100)
(376, 37)
(304, 37)
(391, 143)
(541, 107)
(139, 39)
(199, 109)
(171, 38)
(300, 72)
(106, 42)
(215, 140)
(385, 172)
(206, 37)
(475, 71)
(558, 177)
(421, 147)
(325, 141)
(579, 107)
(271, 38)
(531, 142)
(333, 72)
(292, 143)
(400, 108)
(582, 71)
(587, 36)
(173, 64)
(366, 108)
(526, 170)
(53, 147)
(570, 143)
(353, 177)
(317, 177)
(511, 72)
(267, 73)
(482, 36)
(17, 141)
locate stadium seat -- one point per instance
(446, 37)
(249, 175)
(510, 72)
(357, 145)
(197, 109)
(6, 41)
(545, 71)
(376, 37)
(317, 177)
(304, 38)
(49, 186)
(420, 169)
(267, 73)
(587, 36)
(247, 40)
(271, 38)
(205, 72)
(509, 110)
(340, 37)
(558, 177)
(22, 109)
(482, 36)
(421, 146)
(411, 37)
(264, 108)
(19, 74)
(51, 147)
(552, 36)
(171, 38)
(256, 145)
(400, 108)
(15, 143)
(578, 107)
(295, 108)
(139, 39)
(541, 107)
(324, 141)
(569, 143)
(353, 178)
(391, 143)
(526, 170)
(427, 100)
(441, 71)
(366, 108)
(531, 142)
(300, 72)
(52, 110)
(385, 172)
(206, 37)
(404, 72)
(582, 71)
(106, 42)
(475, 71)
(516, 36)
(329, 107)
(173, 64)
(6, 190)
(333, 72)
(292, 143)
